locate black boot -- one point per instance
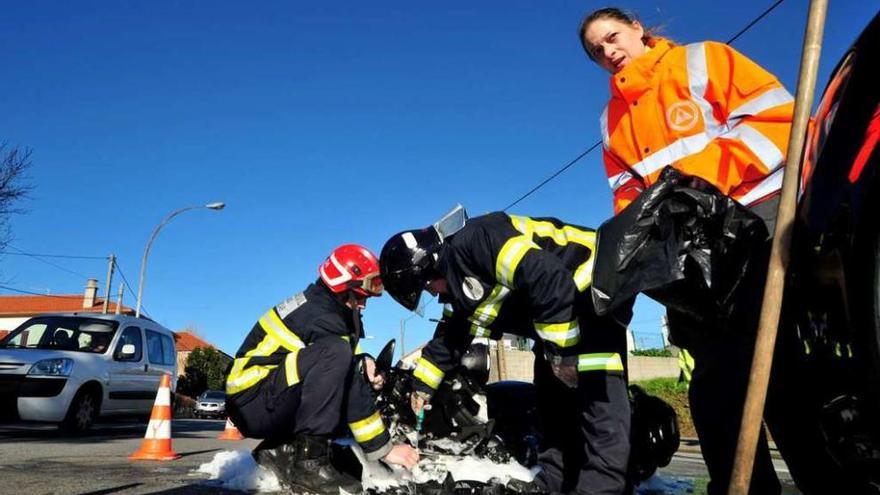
(303, 464)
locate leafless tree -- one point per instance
(14, 163)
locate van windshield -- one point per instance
(66, 333)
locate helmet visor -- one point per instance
(372, 285)
(405, 287)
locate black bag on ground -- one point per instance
(682, 243)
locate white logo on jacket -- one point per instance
(472, 288)
(683, 115)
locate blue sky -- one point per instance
(318, 125)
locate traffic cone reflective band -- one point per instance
(231, 432)
(157, 441)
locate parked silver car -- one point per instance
(72, 368)
(211, 404)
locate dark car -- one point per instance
(833, 293)
(211, 404)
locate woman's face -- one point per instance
(614, 44)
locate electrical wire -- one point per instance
(37, 255)
(55, 265)
(31, 293)
(597, 143)
(128, 286)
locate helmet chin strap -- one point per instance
(356, 319)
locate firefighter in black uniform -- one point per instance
(294, 379)
(530, 277)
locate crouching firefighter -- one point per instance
(530, 277)
(297, 377)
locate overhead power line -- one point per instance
(32, 293)
(128, 286)
(36, 255)
(41, 260)
(597, 143)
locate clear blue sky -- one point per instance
(318, 125)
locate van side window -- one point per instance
(131, 335)
(169, 353)
(160, 348)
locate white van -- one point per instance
(72, 368)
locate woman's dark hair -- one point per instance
(608, 13)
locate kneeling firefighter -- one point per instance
(295, 378)
(500, 273)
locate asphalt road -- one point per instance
(40, 460)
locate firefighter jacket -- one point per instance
(702, 108)
(282, 332)
(518, 275)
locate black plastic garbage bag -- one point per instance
(682, 243)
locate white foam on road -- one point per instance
(237, 470)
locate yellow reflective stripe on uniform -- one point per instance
(367, 429)
(241, 379)
(478, 331)
(272, 325)
(601, 361)
(564, 334)
(290, 369)
(583, 275)
(509, 257)
(487, 311)
(429, 374)
(686, 364)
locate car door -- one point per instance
(161, 357)
(129, 388)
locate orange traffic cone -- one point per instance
(157, 441)
(231, 432)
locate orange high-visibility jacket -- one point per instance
(703, 108)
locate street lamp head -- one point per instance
(216, 206)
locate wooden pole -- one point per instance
(753, 411)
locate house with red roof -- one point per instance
(186, 341)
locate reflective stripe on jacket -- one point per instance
(703, 108)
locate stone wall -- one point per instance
(519, 366)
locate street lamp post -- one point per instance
(210, 206)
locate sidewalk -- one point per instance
(692, 445)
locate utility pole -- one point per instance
(119, 299)
(402, 334)
(502, 359)
(111, 263)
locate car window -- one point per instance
(215, 395)
(67, 333)
(160, 348)
(154, 347)
(29, 337)
(168, 350)
(131, 335)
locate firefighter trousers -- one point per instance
(313, 406)
(585, 431)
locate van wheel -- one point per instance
(82, 412)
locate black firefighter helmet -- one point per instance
(407, 263)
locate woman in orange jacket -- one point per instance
(708, 111)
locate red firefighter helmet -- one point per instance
(352, 267)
